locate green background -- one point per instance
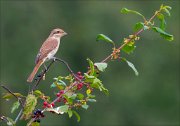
(151, 99)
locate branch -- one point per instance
(130, 39)
(41, 76)
(48, 67)
(18, 98)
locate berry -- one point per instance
(79, 86)
(64, 100)
(45, 103)
(58, 94)
(49, 105)
(59, 100)
(52, 104)
(35, 113)
(61, 92)
(80, 77)
(79, 73)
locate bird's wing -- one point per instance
(49, 45)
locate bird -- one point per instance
(47, 51)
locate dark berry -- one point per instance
(35, 113)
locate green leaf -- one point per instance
(9, 95)
(35, 124)
(138, 26)
(15, 106)
(80, 96)
(10, 121)
(131, 66)
(101, 66)
(91, 100)
(129, 48)
(73, 96)
(163, 33)
(30, 104)
(85, 106)
(91, 96)
(160, 16)
(166, 9)
(126, 11)
(104, 38)
(64, 108)
(91, 64)
(38, 93)
(77, 115)
(70, 113)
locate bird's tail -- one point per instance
(36, 68)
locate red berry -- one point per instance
(79, 73)
(79, 86)
(64, 100)
(59, 100)
(45, 103)
(80, 77)
(52, 104)
(49, 105)
(58, 94)
(61, 92)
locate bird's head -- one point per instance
(57, 33)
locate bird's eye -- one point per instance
(58, 32)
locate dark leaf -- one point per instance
(129, 48)
(160, 16)
(70, 113)
(165, 35)
(77, 115)
(91, 64)
(126, 11)
(138, 26)
(104, 38)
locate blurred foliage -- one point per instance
(152, 98)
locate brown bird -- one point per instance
(47, 50)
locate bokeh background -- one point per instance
(151, 99)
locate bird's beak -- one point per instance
(65, 33)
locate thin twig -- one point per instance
(19, 115)
(67, 65)
(18, 98)
(41, 76)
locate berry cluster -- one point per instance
(47, 105)
(37, 115)
(80, 85)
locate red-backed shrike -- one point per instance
(47, 50)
